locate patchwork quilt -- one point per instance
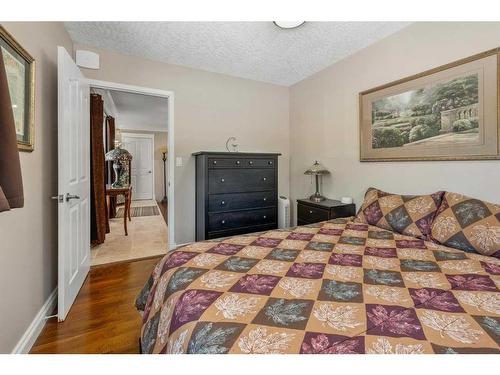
(332, 287)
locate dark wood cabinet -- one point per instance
(236, 193)
(309, 212)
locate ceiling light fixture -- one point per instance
(289, 25)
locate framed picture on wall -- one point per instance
(20, 69)
(447, 113)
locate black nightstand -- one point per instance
(309, 212)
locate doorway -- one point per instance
(74, 197)
(170, 172)
(137, 222)
(142, 170)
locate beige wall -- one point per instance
(160, 142)
(324, 116)
(28, 236)
(209, 108)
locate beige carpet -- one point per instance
(147, 236)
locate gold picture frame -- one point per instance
(451, 112)
(20, 66)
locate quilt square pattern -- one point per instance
(226, 249)
(435, 299)
(333, 290)
(319, 246)
(405, 214)
(337, 287)
(306, 270)
(383, 252)
(255, 284)
(393, 321)
(468, 224)
(288, 255)
(237, 264)
(266, 242)
(383, 277)
(280, 312)
(321, 343)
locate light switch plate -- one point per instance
(178, 161)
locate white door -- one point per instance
(74, 181)
(142, 169)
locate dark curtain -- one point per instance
(99, 218)
(11, 182)
(110, 176)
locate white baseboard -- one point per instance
(29, 337)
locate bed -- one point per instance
(333, 287)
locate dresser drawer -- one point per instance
(240, 180)
(229, 220)
(241, 201)
(226, 162)
(259, 163)
(343, 211)
(308, 214)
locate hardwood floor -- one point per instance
(103, 318)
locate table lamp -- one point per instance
(120, 158)
(317, 170)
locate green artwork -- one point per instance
(437, 114)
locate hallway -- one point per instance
(147, 237)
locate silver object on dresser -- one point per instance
(236, 193)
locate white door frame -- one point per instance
(152, 137)
(169, 95)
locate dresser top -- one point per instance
(225, 153)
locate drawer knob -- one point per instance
(223, 222)
(250, 162)
(270, 162)
(237, 162)
(265, 199)
(264, 217)
(264, 179)
(215, 161)
(222, 180)
(310, 211)
(223, 203)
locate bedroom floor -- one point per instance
(147, 236)
(103, 318)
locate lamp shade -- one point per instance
(317, 169)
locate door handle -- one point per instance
(71, 196)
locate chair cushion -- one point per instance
(468, 224)
(411, 215)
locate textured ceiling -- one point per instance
(135, 111)
(254, 50)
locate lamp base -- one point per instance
(316, 197)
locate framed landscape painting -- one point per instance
(20, 69)
(447, 113)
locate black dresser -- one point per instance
(309, 212)
(236, 193)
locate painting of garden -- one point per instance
(442, 113)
